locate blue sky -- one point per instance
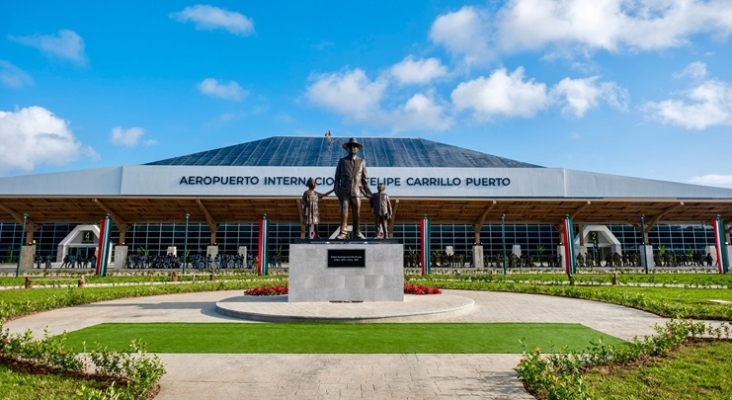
(628, 87)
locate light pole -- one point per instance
(503, 239)
(185, 246)
(22, 244)
(643, 242)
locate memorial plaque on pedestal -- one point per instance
(346, 258)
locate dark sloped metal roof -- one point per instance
(317, 152)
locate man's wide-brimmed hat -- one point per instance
(352, 142)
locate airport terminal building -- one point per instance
(216, 198)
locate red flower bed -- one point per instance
(416, 289)
(266, 291)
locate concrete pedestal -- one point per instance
(28, 256)
(648, 256)
(212, 251)
(516, 249)
(120, 257)
(478, 260)
(380, 279)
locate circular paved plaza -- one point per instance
(345, 376)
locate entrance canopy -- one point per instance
(238, 184)
(442, 204)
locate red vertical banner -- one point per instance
(100, 251)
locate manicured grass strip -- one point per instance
(19, 302)
(700, 370)
(667, 302)
(339, 338)
(24, 386)
(689, 279)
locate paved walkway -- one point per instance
(344, 376)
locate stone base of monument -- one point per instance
(346, 271)
(439, 307)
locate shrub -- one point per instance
(416, 289)
(267, 291)
(134, 370)
(559, 375)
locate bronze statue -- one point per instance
(350, 184)
(309, 208)
(382, 212)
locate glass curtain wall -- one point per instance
(156, 238)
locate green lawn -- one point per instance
(338, 338)
(18, 302)
(667, 302)
(24, 386)
(681, 278)
(701, 370)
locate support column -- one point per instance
(476, 232)
(30, 231)
(213, 226)
(648, 259)
(212, 251)
(28, 253)
(122, 236)
(478, 260)
(562, 253)
(120, 256)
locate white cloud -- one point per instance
(420, 112)
(465, 33)
(208, 18)
(32, 136)
(350, 93)
(130, 137)
(580, 25)
(12, 76)
(706, 105)
(712, 180)
(501, 94)
(65, 44)
(695, 70)
(579, 95)
(411, 71)
(228, 91)
(358, 98)
(511, 95)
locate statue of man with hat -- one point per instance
(350, 184)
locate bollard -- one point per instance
(615, 279)
(174, 276)
(212, 277)
(82, 281)
(28, 283)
